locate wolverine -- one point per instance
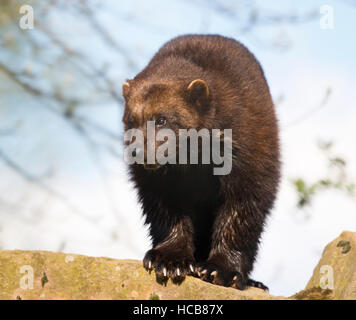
(200, 223)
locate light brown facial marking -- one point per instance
(147, 101)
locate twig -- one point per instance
(36, 181)
(308, 114)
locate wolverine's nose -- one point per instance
(138, 152)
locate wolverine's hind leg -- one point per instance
(256, 284)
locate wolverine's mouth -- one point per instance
(152, 167)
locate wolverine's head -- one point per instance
(169, 104)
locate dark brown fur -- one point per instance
(212, 223)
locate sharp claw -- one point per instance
(214, 273)
(234, 278)
(178, 272)
(149, 264)
(165, 272)
(191, 268)
(204, 271)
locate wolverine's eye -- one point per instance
(161, 121)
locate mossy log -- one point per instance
(47, 275)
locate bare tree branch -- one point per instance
(311, 112)
(97, 27)
(37, 181)
(65, 114)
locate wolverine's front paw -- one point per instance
(169, 262)
(217, 273)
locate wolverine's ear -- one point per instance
(198, 92)
(126, 89)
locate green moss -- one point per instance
(342, 243)
(346, 249)
(345, 245)
(315, 293)
(44, 279)
(154, 296)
